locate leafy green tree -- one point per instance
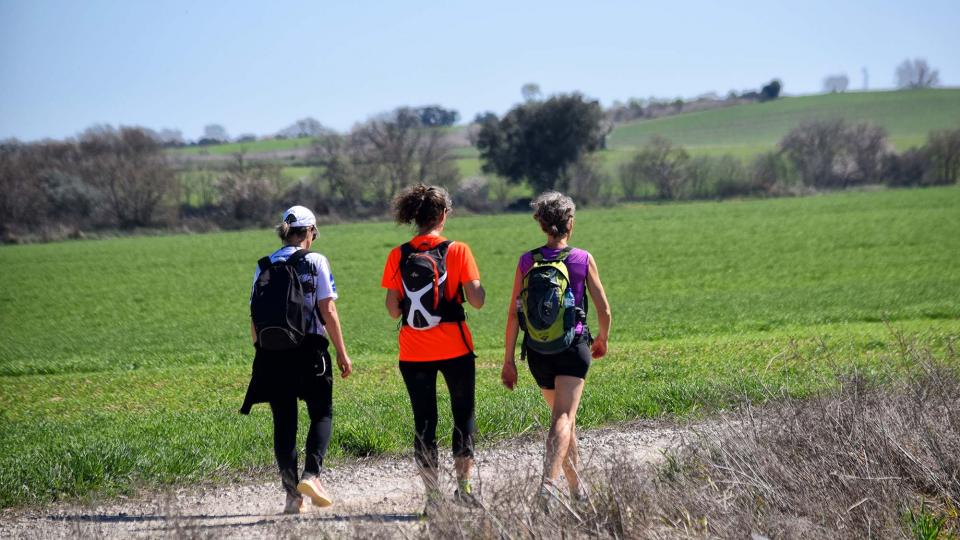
(538, 140)
(771, 90)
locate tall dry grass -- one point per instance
(869, 459)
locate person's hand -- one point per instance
(345, 365)
(508, 375)
(599, 347)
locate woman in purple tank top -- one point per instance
(560, 375)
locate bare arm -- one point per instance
(508, 375)
(331, 322)
(392, 303)
(599, 297)
(475, 294)
(253, 332)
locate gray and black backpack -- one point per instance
(277, 307)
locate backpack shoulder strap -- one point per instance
(537, 256)
(563, 253)
(297, 256)
(264, 263)
(406, 249)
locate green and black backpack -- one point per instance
(547, 310)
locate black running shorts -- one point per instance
(573, 362)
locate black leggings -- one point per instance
(421, 380)
(319, 400)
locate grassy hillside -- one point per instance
(254, 147)
(908, 116)
(742, 131)
(129, 366)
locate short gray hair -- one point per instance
(554, 211)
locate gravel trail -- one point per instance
(383, 493)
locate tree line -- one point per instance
(122, 178)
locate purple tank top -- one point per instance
(577, 262)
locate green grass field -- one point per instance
(749, 129)
(123, 362)
(255, 147)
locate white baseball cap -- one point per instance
(299, 216)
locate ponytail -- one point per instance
(421, 204)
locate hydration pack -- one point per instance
(547, 310)
(424, 276)
(277, 307)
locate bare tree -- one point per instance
(916, 73)
(836, 83)
(170, 137)
(129, 167)
(866, 145)
(834, 154)
(247, 191)
(398, 152)
(215, 132)
(305, 127)
(943, 152)
(531, 92)
(342, 170)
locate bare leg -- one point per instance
(566, 400)
(571, 465)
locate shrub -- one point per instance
(943, 152)
(659, 163)
(583, 180)
(248, 193)
(907, 169)
(770, 173)
(720, 177)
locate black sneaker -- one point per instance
(464, 495)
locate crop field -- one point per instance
(745, 130)
(254, 147)
(123, 362)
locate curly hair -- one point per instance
(554, 211)
(421, 204)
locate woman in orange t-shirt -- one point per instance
(427, 281)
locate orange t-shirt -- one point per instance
(443, 341)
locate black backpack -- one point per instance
(277, 307)
(424, 276)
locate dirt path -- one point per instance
(383, 493)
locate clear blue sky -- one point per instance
(258, 66)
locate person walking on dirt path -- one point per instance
(294, 319)
(549, 302)
(427, 280)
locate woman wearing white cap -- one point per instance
(284, 372)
